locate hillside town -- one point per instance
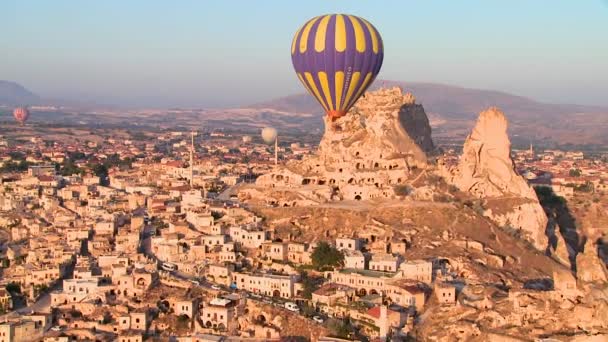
(137, 239)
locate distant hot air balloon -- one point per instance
(337, 57)
(21, 114)
(269, 135)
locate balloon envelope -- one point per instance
(337, 57)
(21, 114)
(269, 135)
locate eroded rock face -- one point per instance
(365, 154)
(589, 266)
(384, 125)
(486, 168)
(487, 171)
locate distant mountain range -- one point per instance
(14, 94)
(452, 111)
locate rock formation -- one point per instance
(589, 266)
(363, 155)
(486, 170)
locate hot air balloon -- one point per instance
(337, 57)
(21, 114)
(269, 135)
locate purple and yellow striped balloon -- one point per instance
(337, 57)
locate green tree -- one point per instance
(340, 328)
(101, 171)
(326, 255)
(16, 155)
(12, 166)
(309, 285)
(575, 173)
(69, 168)
(77, 155)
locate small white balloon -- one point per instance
(269, 135)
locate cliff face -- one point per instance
(486, 170)
(415, 122)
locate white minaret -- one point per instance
(192, 160)
(384, 323)
(276, 150)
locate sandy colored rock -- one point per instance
(486, 168)
(562, 250)
(366, 154)
(589, 266)
(487, 171)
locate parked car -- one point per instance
(318, 319)
(216, 287)
(167, 266)
(292, 307)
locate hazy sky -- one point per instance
(228, 52)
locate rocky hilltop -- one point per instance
(486, 171)
(363, 155)
(383, 148)
(384, 145)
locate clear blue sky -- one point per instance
(229, 52)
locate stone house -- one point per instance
(354, 260)
(220, 313)
(330, 294)
(277, 251)
(445, 293)
(267, 284)
(384, 263)
(221, 274)
(419, 270)
(133, 321)
(298, 253)
(248, 238)
(186, 307)
(352, 244)
(130, 336)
